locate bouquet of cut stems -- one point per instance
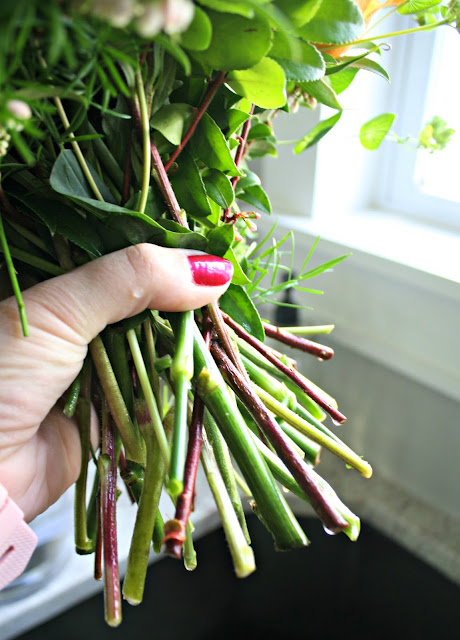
(135, 121)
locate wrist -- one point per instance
(17, 540)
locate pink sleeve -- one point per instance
(17, 540)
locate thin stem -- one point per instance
(393, 34)
(310, 329)
(134, 582)
(161, 178)
(145, 125)
(287, 453)
(296, 342)
(83, 543)
(340, 450)
(215, 394)
(117, 405)
(291, 373)
(13, 279)
(149, 395)
(210, 93)
(152, 359)
(219, 325)
(242, 554)
(108, 475)
(181, 375)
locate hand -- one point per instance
(39, 446)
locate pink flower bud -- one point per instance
(19, 109)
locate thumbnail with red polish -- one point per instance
(210, 271)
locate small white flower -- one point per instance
(118, 13)
(150, 19)
(19, 109)
(178, 14)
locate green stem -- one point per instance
(216, 396)
(181, 375)
(118, 409)
(224, 462)
(152, 359)
(149, 396)
(344, 452)
(13, 279)
(72, 396)
(393, 34)
(77, 150)
(83, 543)
(146, 153)
(134, 582)
(242, 554)
(311, 330)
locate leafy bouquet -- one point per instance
(131, 121)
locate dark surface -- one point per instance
(333, 589)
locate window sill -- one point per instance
(395, 299)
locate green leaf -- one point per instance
(62, 219)
(198, 35)
(237, 42)
(342, 80)
(323, 92)
(374, 131)
(175, 51)
(259, 131)
(257, 197)
(189, 187)
(317, 133)
(248, 180)
(373, 66)
(238, 305)
(68, 178)
(263, 84)
(239, 277)
(299, 12)
(301, 61)
(210, 146)
(218, 187)
(220, 239)
(358, 62)
(229, 6)
(414, 6)
(236, 118)
(335, 22)
(171, 121)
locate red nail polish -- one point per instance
(210, 271)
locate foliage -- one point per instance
(135, 121)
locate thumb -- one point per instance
(65, 313)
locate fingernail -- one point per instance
(210, 271)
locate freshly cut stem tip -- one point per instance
(335, 414)
(321, 351)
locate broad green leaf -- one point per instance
(210, 147)
(259, 131)
(221, 239)
(237, 42)
(257, 197)
(358, 62)
(342, 80)
(323, 92)
(236, 117)
(335, 22)
(198, 35)
(374, 131)
(248, 180)
(263, 84)
(414, 6)
(238, 305)
(301, 61)
(229, 6)
(189, 187)
(299, 12)
(239, 277)
(218, 187)
(373, 66)
(67, 179)
(171, 120)
(318, 132)
(62, 219)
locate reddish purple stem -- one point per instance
(301, 472)
(210, 93)
(297, 342)
(335, 414)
